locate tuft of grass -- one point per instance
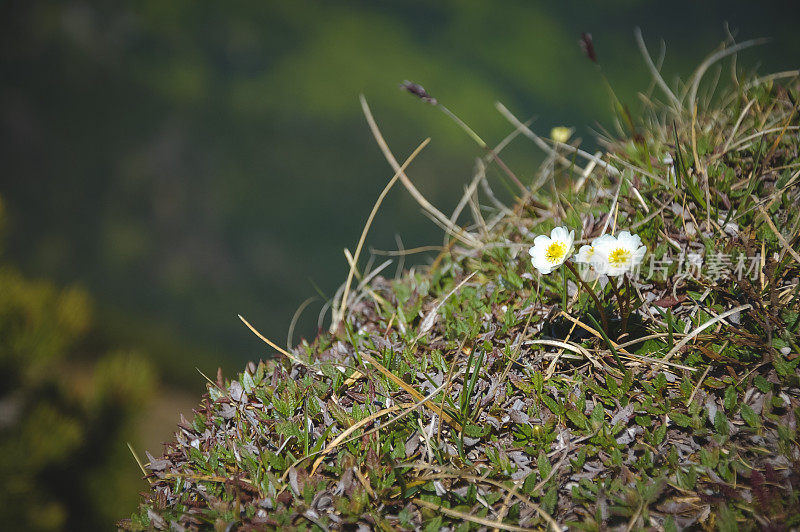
(470, 394)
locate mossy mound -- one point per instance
(475, 394)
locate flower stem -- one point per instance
(621, 303)
(610, 344)
(627, 312)
(588, 288)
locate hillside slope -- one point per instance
(480, 393)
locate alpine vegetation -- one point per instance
(648, 381)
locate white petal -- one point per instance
(570, 242)
(604, 245)
(629, 241)
(538, 253)
(540, 244)
(560, 234)
(615, 271)
(638, 255)
(604, 240)
(541, 264)
(584, 254)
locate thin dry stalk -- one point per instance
(654, 71)
(688, 338)
(424, 203)
(408, 388)
(713, 58)
(469, 517)
(347, 432)
(340, 315)
(272, 344)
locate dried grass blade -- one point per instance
(778, 234)
(408, 388)
(713, 58)
(343, 306)
(348, 431)
(688, 338)
(655, 72)
(139, 463)
(424, 203)
(469, 517)
(272, 344)
(430, 318)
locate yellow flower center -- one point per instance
(619, 256)
(555, 251)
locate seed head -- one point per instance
(419, 91)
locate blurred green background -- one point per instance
(184, 161)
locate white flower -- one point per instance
(617, 255)
(588, 257)
(550, 252)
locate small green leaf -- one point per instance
(686, 387)
(537, 380)
(247, 382)
(726, 519)
(611, 384)
(554, 407)
(598, 413)
(731, 398)
(672, 457)
(473, 431)
(405, 515)
(627, 381)
(783, 367)
(750, 417)
(688, 479)
(785, 434)
(550, 499)
(580, 460)
(544, 465)
(709, 459)
(616, 457)
(578, 419)
(434, 524)
(721, 423)
(681, 419)
(659, 434)
(529, 484)
(762, 384)
(514, 280)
